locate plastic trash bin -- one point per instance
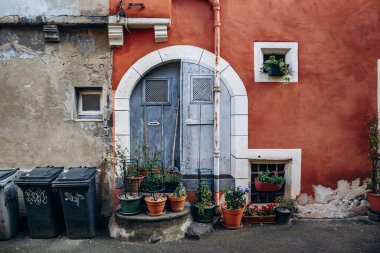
(8, 204)
(42, 205)
(77, 189)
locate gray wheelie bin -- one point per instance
(43, 206)
(77, 189)
(8, 204)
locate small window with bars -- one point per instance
(261, 197)
(201, 89)
(156, 92)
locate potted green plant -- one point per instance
(203, 209)
(374, 185)
(129, 198)
(148, 160)
(177, 198)
(156, 204)
(154, 184)
(269, 181)
(264, 214)
(277, 67)
(234, 206)
(132, 178)
(172, 179)
(284, 210)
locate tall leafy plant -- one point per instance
(204, 195)
(116, 157)
(374, 141)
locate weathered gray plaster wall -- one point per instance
(37, 97)
(33, 8)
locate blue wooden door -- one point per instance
(197, 120)
(153, 112)
(153, 116)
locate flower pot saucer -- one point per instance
(133, 213)
(238, 227)
(158, 214)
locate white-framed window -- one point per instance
(89, 103)
(285, 50)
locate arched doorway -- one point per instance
(236, 117)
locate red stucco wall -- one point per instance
(326, 112)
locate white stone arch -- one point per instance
(240, 154)
(235, 86)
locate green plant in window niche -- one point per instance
(277, 67)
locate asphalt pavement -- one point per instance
(343, 235)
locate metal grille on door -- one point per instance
(156, 91)
(202, 89)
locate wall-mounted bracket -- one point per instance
(160, 33)
(116, 35)
(115, 31)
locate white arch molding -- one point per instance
(240, 154)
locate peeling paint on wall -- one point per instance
(347, 200)
(38, 101)
(32, 8)
(11, 50)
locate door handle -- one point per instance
(153, 123)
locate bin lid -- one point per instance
(39, 175)
(7, 175)
(75, 176)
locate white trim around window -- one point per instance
(89, 114)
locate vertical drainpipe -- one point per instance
(217, 90)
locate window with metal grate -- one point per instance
(201, 90)
(265, 197)
(156, 91)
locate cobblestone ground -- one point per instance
(352, 235)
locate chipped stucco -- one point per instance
(347, 200)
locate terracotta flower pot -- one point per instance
(177, 204)
(266, 187)
(232, 218)
(133, 183)
(143, 173)
(267, 219)
(374, 202)
(155, 208)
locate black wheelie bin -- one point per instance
(77, 188)
(43, 206)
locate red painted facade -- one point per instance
(326, 113)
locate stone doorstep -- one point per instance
(142, 228)
(144, 217)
